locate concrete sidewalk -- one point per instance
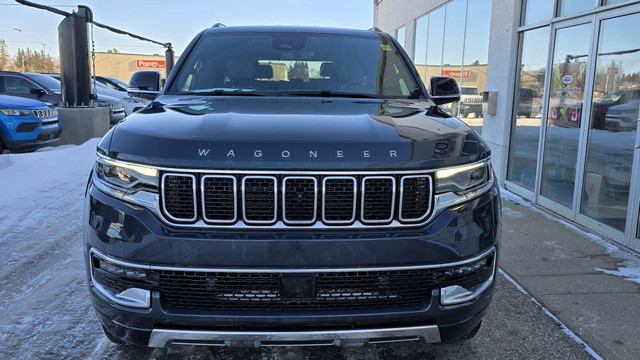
(577, 276)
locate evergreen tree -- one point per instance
(299, 70)
(5, 59)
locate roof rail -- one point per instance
(375, 28)
(218, 25)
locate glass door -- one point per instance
(612, 132)
(564, 117)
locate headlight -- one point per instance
(460, 179)
(16, 112)
(126, 176)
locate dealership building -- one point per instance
(558, 82)
(122, 65)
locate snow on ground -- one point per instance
(631, 263)
(44, 305)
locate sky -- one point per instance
(172, 21)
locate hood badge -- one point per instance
(286, 154)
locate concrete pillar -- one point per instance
(82, 124)
(500, 77)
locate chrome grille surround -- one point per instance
(324, 200)
(363, 202)
(284, 200)
(204, 201)
(195, 204)
(245, 216)
(429, 204)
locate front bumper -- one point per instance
(41, 137)
(129, 233)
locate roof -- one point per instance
(292, 29)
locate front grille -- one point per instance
(299, 200)
(415, 192)
(45, 113)
(333, 290)
(260, 197)
(179, 196)
(296, 200)
(378, 198)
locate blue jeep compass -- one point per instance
(291, 186)
(27, 124)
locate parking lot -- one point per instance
(45, 312)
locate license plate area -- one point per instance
(298, 286)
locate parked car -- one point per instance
(470, 102)
(623, 117)
(529, 103)
(113, 83)
(601, 116)
(27, 124)
(131, 104)
(44, 88)
(339, 207)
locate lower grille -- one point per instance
(261, 291)
(333, 290)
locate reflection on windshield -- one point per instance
(312, 64)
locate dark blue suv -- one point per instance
(292, 186)
(27, 124)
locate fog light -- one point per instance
(120, 284)
(465, 282)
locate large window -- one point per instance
(453, 41)
(527, 112)
(400, 35)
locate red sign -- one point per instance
(150, 64)
(456, 73)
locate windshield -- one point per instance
(47, 81)
(289, 63)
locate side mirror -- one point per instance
(443, 90)
(145, 84)
(37, 91)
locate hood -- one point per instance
(16, 102)
(235, 132)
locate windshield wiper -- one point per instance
(327, 93)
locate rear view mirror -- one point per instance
(443, 90)
(145, 84)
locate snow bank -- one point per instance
(27, 179)
(631, 263)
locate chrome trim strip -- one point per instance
(235, 199)
(324, 195)
(462, 297)
(275, 200)
(295, 172)
(430, 205)
(315, 201)
(165, 337)
(195, 201)
(100, 254)
(393, 199)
